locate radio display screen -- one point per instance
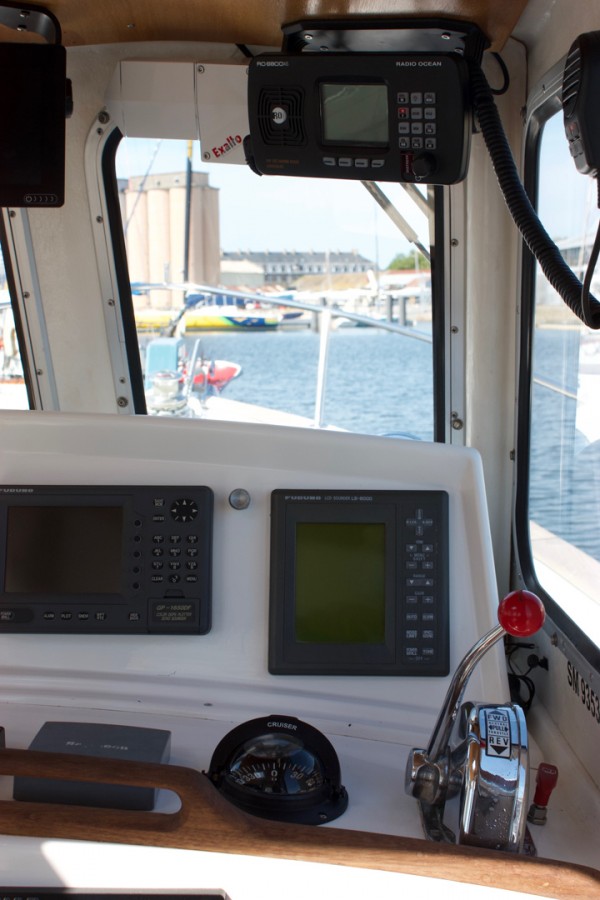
(64, 550)
(355, 114)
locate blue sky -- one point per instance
(274, 213)
(260, 213)
(567, 199)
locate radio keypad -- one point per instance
(348, 162)
(417, 115)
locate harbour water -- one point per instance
(376, 383)
(381, 383)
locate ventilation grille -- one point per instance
(291, 131)
(571, 79)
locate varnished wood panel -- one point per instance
(252, 22)
(206, 821)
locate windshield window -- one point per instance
(230, 273)
(564, 482)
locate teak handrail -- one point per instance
(206, 821)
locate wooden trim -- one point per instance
(206, 821)
(252, 22)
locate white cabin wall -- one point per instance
(66, 263)
(549, 28)
(63, 239)
(491, 298)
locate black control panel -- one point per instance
(359, 583)
(105, 560)
(368, 116)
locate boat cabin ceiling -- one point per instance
(252, 22)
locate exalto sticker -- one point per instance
(230, 142)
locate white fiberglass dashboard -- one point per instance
(199, 686)
(181, 673)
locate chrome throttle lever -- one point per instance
(490, 764)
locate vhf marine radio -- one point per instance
(375, 113)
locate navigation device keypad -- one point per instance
(180, 561)
(421, 625)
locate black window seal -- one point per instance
(546, 106)
(438, 324)
(117, 236)
(11, 283)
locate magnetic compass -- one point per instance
(279, 767)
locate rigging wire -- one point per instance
(141, 186)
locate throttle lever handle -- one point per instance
(432, 774)
(520, 614)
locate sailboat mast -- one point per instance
(188, 212)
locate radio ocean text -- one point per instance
(421, 62)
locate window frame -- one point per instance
(440, 361)
(24, 348)
(121, 270)
(544, 102)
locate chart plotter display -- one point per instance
(84, 559)
(359, 583)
